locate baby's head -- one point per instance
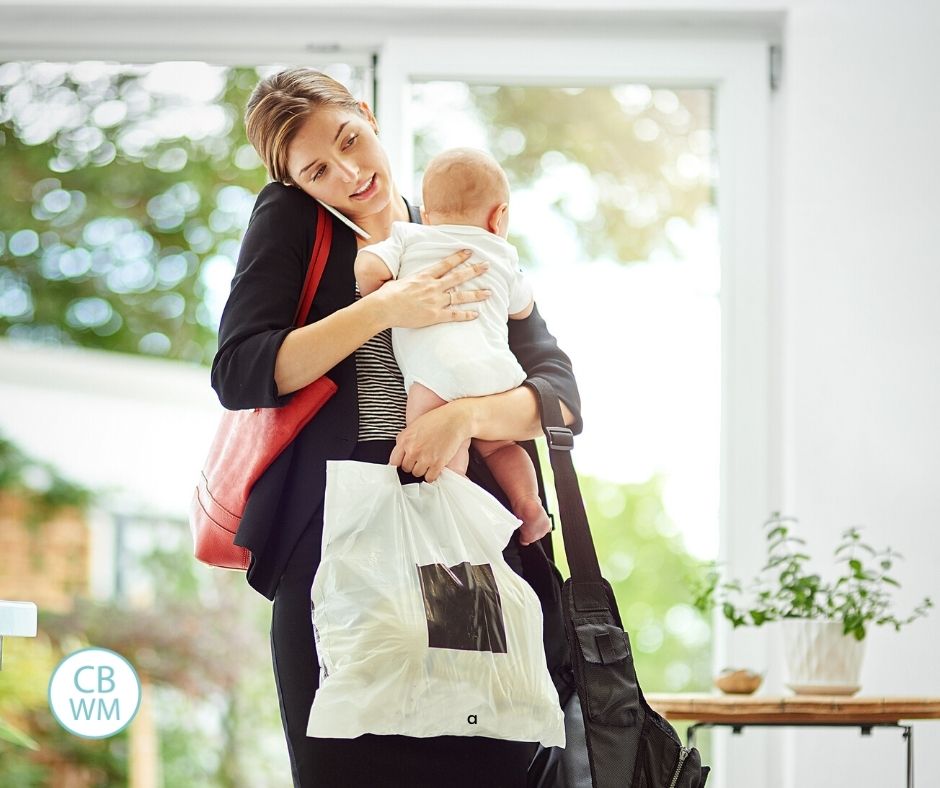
(466, 186)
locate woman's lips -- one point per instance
(367, 192)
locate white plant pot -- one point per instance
(820, 659)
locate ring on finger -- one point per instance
(450, 293)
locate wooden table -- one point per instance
(740, 711)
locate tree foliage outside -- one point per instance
(634, 164)
(124, 200)
(198, 636)
(642, 556)
(129, 187)
(207, 656)
(38, 484)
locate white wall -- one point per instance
(856, 376)
(857, 341)
(860, 330)
(135, 429)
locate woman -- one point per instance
(317, 142)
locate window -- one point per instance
(612, 211)
(132, 186)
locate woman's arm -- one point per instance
(262, 357)
(511, 415)
(308, 353)
(537, 351)
(259, 312)
(413, 302)
(426, 445)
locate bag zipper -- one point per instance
(683, 754)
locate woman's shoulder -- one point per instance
(289, 200)
(293, 210)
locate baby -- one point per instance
(466, 206)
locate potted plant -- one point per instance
(824, 623)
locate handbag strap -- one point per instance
(318, 258)
(579, 545)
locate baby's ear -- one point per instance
(496, 217)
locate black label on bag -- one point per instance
(463, 608)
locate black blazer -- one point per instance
(258, 316)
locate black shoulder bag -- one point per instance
(614, 738)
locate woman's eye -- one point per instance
(349, 142)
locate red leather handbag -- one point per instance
(248, 441)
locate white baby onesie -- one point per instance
(468, 358)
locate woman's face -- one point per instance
(337, 158)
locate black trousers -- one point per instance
(369, 760)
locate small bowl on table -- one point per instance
(738, 681)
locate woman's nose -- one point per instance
(347, 171)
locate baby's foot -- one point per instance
(535, 522)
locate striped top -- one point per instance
(381, 388)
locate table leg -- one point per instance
(909, 735)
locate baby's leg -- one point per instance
(420, 400)
(512, 468)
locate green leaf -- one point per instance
(14, 736)
(859, 596)
(758, 617)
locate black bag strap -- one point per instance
(623, 736)
(579, 545)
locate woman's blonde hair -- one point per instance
(278, 107)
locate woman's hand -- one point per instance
(431, 296)
(426, 445)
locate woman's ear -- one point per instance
(367, 113)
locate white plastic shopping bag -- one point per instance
(422, 628)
